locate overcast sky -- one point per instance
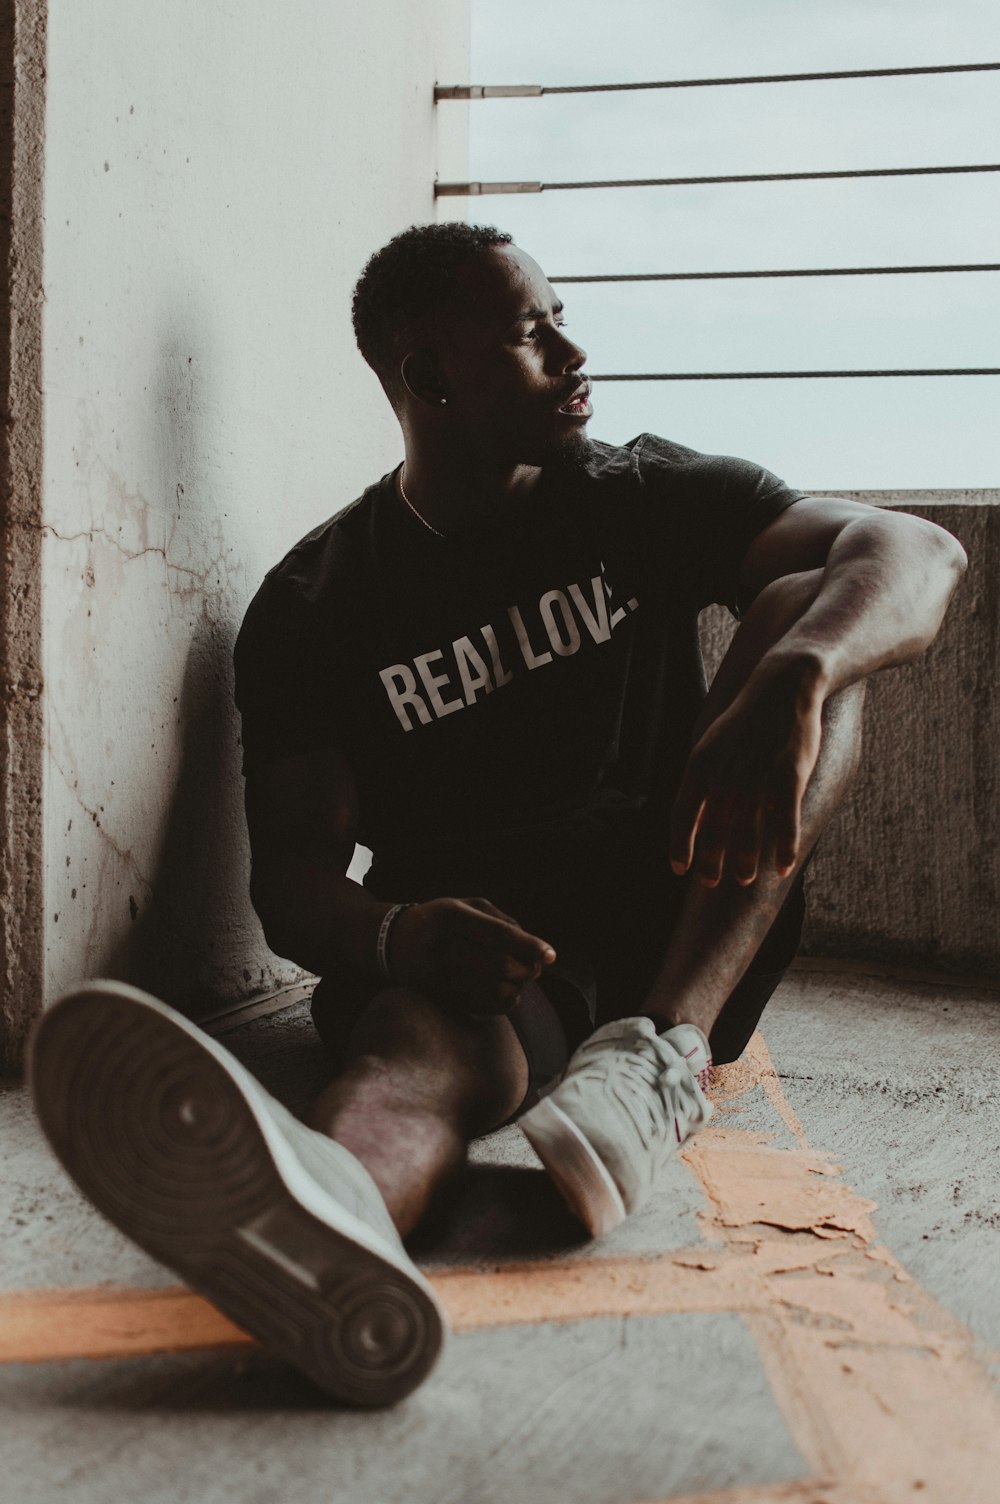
(884, 433)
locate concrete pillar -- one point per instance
(22, 100)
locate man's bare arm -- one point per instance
(870, 589)
(303, 817)
(887, 581)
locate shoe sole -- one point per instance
(575, 1166)
(172, 1140)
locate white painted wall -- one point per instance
(216, 175)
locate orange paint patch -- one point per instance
(879, 1385)
(752, 1184)
(574, 1290)
(39, 1325)
(730, 1082)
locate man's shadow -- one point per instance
(190, 943)
(193, 939)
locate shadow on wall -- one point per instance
(177, 946)
(191, 940)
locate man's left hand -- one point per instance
(739, 806)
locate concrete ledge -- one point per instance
(910, 872)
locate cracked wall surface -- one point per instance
(216, 177)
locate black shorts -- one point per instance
(601, 890)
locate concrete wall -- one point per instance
(909, 874)
(215, 177)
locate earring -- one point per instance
(443, 401)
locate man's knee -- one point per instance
(349, 1019)
(474, 1064)
(399, 1021)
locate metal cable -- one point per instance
(466, 190)
(808, 271)
(523, 91)
(780, 177)
(789, 375)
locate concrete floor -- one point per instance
(808, 1311)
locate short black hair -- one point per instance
(405, 280)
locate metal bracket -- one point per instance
(472, 190)
(487, 91)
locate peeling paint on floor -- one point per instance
(881, 1389)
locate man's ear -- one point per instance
(423, 378)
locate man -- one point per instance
(587, 874)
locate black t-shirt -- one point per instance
(507, 681)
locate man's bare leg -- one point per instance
(419, 1083)
(722, 927)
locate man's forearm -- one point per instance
(462, 952)
(881, 600)
(316, 916)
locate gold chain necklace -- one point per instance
(418, 515)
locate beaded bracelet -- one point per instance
(384, 931)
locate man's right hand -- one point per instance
(466, 952)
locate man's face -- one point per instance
(511, 373)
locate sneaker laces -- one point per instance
(659, 1088)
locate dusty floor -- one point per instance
(808, 1311)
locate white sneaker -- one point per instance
(629, 1096)
(281, 1227)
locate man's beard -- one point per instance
(571, 455)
